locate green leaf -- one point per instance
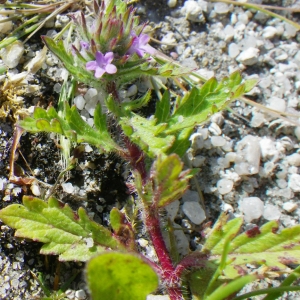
(198, 105)
(259, 246)
(147, 134)
(67, 234)
(167, 182)
(162, 111)
(120, 276)
(72, 126)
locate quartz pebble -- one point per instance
(68, 187)
(271, 212)
(80, 102)
(233, 50)
(172, 209)
(294, 182)
(221, 8)
(247, 156)
(12, 54)
(294, 159)
(217, 141)
(194, 212)
(5, 26)
(277, 104)
(249, 56)
(193, 11)
(289, 206)
(80, 295)
(252, 208)
(224, 186)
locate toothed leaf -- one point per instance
(259, 246)
(67, 234)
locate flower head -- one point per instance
(102, 64)
(140, 44)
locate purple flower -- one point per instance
(102, 64)
(84, 45)
(140, 45)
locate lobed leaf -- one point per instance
(72, 126)
(67, 234)
(259, 246)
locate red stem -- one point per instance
(137, 159)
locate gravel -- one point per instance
(249, 159)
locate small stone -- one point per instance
(80, 294)
(247, 156)
(68, 187)
(172, 3)
(80, 102)
(12, 54)
(224, 186)
(252, 208)
(131, 91)
(271, 212)
(158, 297)
(257, 120)
(194, 212)
(233, 50)
(268, 148)
(290, 31)
(294, 159)
(221, 8)
(193, 11)
(217, 141)
(269, 32)
(249, 56)
(168, 41)
(289, 206)
(276, 103)
(35, 189)
(214, 129)
(197, 141)
(198, 161)
(57, 87)
(172, 209)
(294, 182)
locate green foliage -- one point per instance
(67, 234)
(123, 277)
(167, 181)
(72, 126)
(258, 246)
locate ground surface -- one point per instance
(211, 44)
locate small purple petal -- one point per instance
(84, 45)
(108, 57)
(144, 39)
(91, 65)
(99, 72)
(111, 69)
(100, 59)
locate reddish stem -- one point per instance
(137, 159)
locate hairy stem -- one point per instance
(136, 157)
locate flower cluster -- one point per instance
(112, 39)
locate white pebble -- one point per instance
(214, 129)
(131, 91)
(277, 104)
(217, 141)
(233, 50)
(297, 132)
(269, 32)
(172, 209)
(172, 3)
(249, 56)
(80, 294)
(194, 212)
(247, 156)
(35, 189)
(252, 208)
(3, 182)
(12, 54)
(258, 119)
(197, 141)
(79, 101)
(90, 94)
(294, 182)
(221, 8)
(294, 159)
(192, 11)
(268, 148)
(224, 186)
(198, 161)
(271, 212)
(158, 297)
(68, 187)
(290, 31)
(289, 206)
